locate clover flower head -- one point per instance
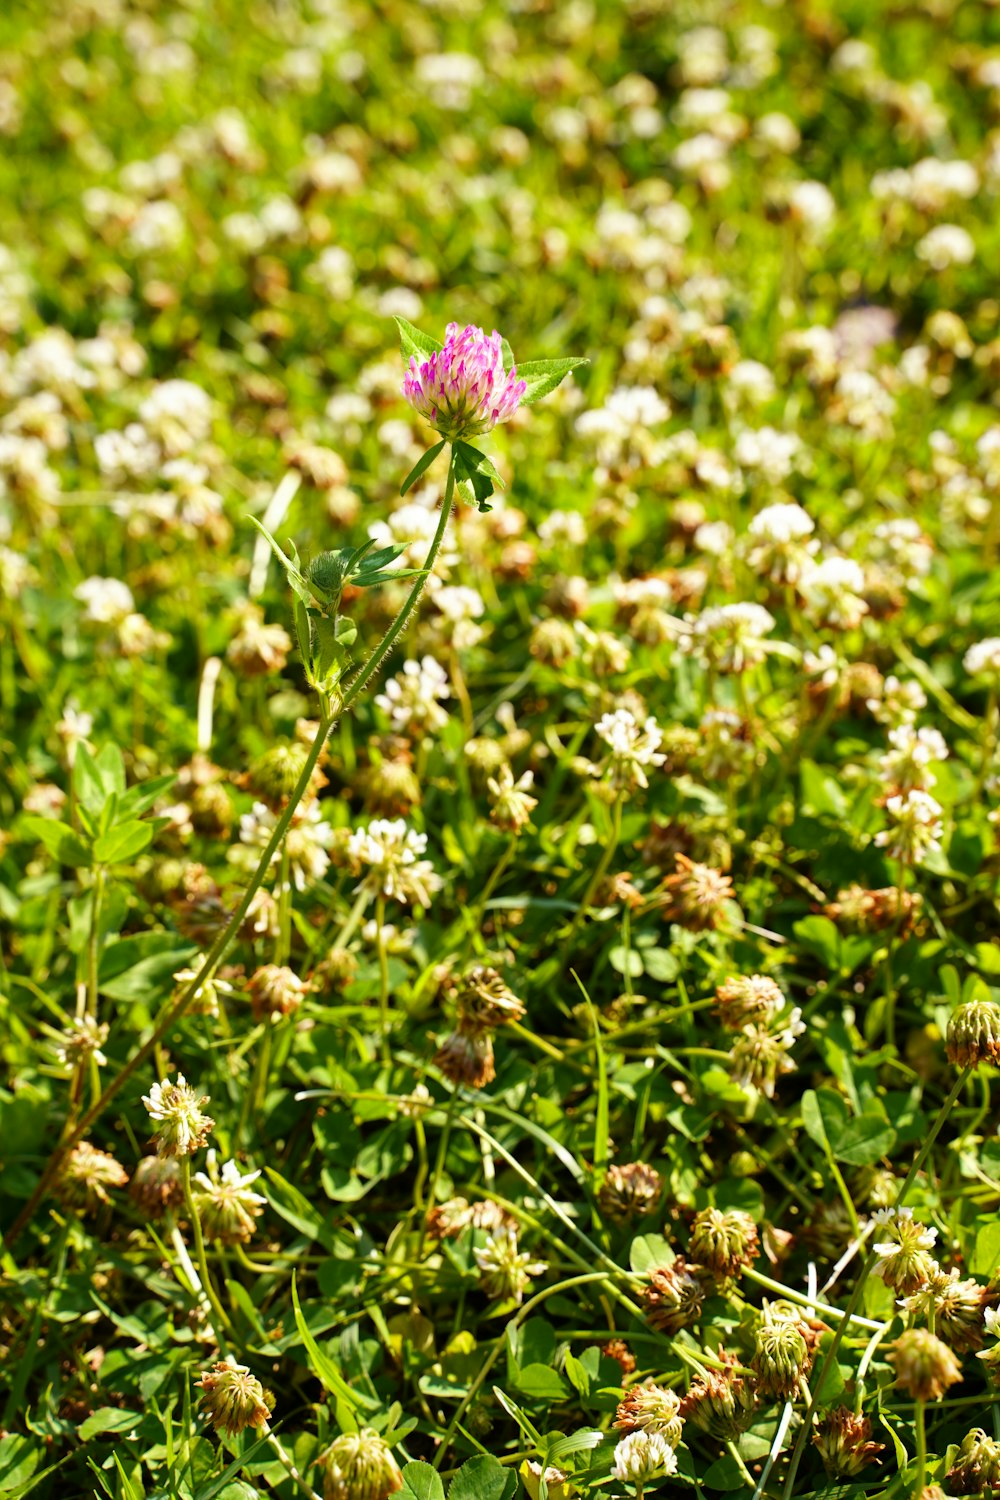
(632, 747)
(176, 1107)
(463, 389)
(640, 1455)
(388, 849)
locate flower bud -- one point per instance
(232, 1398)
(274, 776)
(747, 998)
(629, 1190)
(360, 1466)
(485, 1001)
(974, 1034)
(781, 1357)
(723, 1240)
(925, 1367)
(844, 1443)
(977, 1466)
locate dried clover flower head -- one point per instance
(156, 1186)
(505, 1270)
(925, 1366)
(619, 1351)
(629, 1190)
(720, 1402)
(85, 1176)
(641, 1455)
(905, 1262)
(745, 998)
(275, 991)
(977, 1466)
(176, 1107)
(954, 1306)
(227, 1206)
(723, 1240)
(651, 1408)
(844, 1443)
(698, 895)
(511, 803)
(485, 1001)
(232, 1398)
(782, 1354)
(674, 1297)
(466, 1057)
(974, 1034)
(873, 911)
(447, 1220)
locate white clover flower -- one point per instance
(307, 840)
(178, 414)
(564, 526)
(632, 746)
(621, 427)
(946, 245)
(730, 637)
(176, 1108)
(505, 1269)
(449, 78)
(751, 380)
(641, 1455)
(904, 766)
(412, 697)
(813, 205)
(983, 658)
(915, 825)
(415, 524)
(108, 601)
(388, 850)
(131, 454)
(770, 453)
(832, 591)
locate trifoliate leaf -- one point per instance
(543, 375)
(413, 340)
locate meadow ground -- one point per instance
(499, 871)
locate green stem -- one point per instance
(287, 1464)
(920, 1433)
(94, 941)
(859, 1286)
(599, 873)
(173, 1013)
(220, 1322)
(383, 978)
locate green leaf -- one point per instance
(474, 468)
(421, 466)
(296, 579)
(88, 782)
(543, 375)
(483, 1478)
(864, 1141)
(108, 1419)
(61, 841)
(323, 1367)
(986, 1255)
(413, 340)
(19, 1458)
(421, 1482)
(215, 1488)
(295, 1207)
(123, 843)
(647, 1251)
(142, 967)
(139, 799)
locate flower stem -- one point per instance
(599, 873)
(220, 1321)
(383, 978)
(173, 1013)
